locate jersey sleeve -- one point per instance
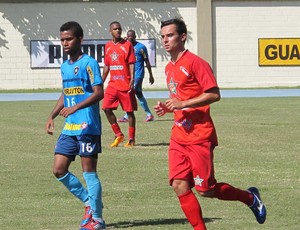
(131, 55)
(94, 73)
(144, 52)
(204, 74)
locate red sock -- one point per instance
(192, 210)
(131, 133)
(225, 191)
(116, 129)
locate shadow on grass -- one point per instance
(136, 223)
(160, 120)
(152, 144)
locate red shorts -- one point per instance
(113, 97)
(193, 163)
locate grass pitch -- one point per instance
(258, 146)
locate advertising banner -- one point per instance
(50, 53)
(279, 51)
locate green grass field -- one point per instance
(258, 146)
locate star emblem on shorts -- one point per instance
(198, 180)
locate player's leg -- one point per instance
(129, 105)
(206, 180)
(138, 82)
(94, 189)
(65, 151)
(70, 181)
(119, 136)
(179, 167)
(110, 116)
(189, 204)
(90, 146)
(109, 103)
(250, 197)
(131, 129)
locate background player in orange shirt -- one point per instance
(193, 88)
(119, 61)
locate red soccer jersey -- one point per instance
(118, 56)
(190, 77)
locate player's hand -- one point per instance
(151, 80)
(131, 86)
(160, 109)
(174, 103)
(66, 111)
(50, 126)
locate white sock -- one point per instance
(87, 203)
(98, 219)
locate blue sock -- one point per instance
(74, 186)
(144, 105)
(94, 192)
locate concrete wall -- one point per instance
(223, 32)
(237, 27)
(22, 22)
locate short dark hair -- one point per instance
(131, 31)
(178, 22)
(114, 22)
(74, 26)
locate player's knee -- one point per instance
(176, 184)
(107, 111)
(180, 186)
(58, 173)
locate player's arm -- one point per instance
(105, 72)
(148, 66)
(208, 97)
(131, 71)
(96, 96)
(55, 112)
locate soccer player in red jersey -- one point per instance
(119, 61)
(193, 88)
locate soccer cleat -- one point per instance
(123, 119)
(93, 225)
(87, 215)
(130, 143)
(117, 141)
(258, 207)
(149, 118)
